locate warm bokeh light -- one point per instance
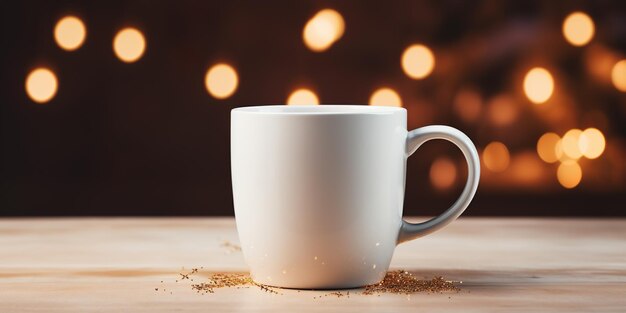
(323, 30)
(496, 156)
(558, 151)
(418, 61)
(591, 143)
(386, 97)
(546, 147)
(538, 85)
(569, 144)
(526, 168)
(442, 173)
(618, 75)
(41, 85)
(129, 45)
(468, 105)
(599, 61)
(578, 28)
(302, 96)
(502, 110)
(569, 174)
(221, 81)
(70, 33)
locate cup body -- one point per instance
(318, 192)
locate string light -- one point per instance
(569, 144)
(468, 105)
(302, 96)
(70, 33)
(569, 174)
(502, 110)
(386, 97)
(496, 156)
(591, 143)
(578, 29)
(558, 151)
(443, 173)
(538, 85)
(618, 75)
(323, 30)
(546, 147)
(129, 45)
(526, 168)
(418, 61)
(221, 81)
(41, 85)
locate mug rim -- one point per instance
(322, 109)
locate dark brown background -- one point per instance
(147, 139)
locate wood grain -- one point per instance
(115, 264)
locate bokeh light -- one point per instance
(70, 33)
(386, 97)
(323, 30)
(502, 110)
(418, 61)
(599, 61)
(618, 75)
(442, 173)
(569, 144)
(558, 151)
(538, 85)
(569, 174)
(591, 143)
(41, 85)
(578, 28)
(526, 168)
(468, 105)
(129, 45)
(221, 81)
(533, 90)
(546, 147)
(302, 96)
(496, 156)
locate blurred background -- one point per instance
(122, 107)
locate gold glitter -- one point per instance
(395, 282)
(337, 293)
(227, 280)
(404, 282)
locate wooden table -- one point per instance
(115, 264)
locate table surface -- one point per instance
(115, 264)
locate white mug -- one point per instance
(318, 191)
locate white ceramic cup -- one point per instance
(318, 191)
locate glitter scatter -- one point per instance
(395, 282)
(403, 282)
(338, 294)
(228, 280)
(222, 280)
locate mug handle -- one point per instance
(415, 139)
